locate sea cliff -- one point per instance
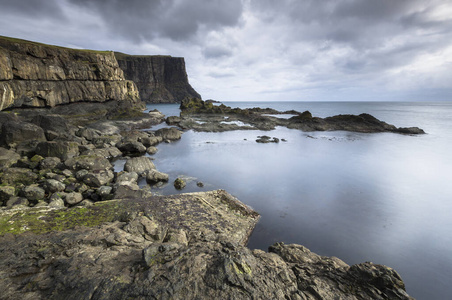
(160, 79)
(38, 75)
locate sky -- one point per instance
(264, 50)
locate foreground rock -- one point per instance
(188, 246)
(204, 116)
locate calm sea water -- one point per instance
(385, 198)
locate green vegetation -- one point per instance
(42, 220)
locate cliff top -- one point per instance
(5, 41)
(125, 56)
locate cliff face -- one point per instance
(38, 75)
(160, 79)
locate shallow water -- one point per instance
(385, 198)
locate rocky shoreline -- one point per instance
(71, 227)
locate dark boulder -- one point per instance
(14, 132)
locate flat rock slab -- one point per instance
(209, 213)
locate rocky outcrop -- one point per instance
(188, 246)
(38, 75)
(204, 116)
(160, 79)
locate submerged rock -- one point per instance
(179, 183)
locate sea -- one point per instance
(379, 197)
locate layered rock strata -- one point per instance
(38, 75)
(160, 79)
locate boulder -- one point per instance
(173, 120)
(179, 183)
(16, 176)
(127, 178)
(98, 178)
(131, 147)
(140, 165)
(73, 198)
(33, 193)
(109, 152)
(6, 192)
(50, 163)
(7, 158)
(88, 162)
(151, 150)
(154, 176)
(53, 186)
(61, 149)
(151, 140)
(170, 134)
(128, 192)
(51, 122)
(14, 132)
(17, 201)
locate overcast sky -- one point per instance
(309, 50)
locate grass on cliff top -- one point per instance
(124, 56)
(16, 40)
(42, 220)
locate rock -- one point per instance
(127, 178)
(131, 147)
(267, 139)
(33, 193)
(170, 134)
(61, 149)
(16, 201)
(51, 123)
(15, 176)
(179, 183)
(6, 192)
(151, 150)
(140, 165)
(67, 173)
(160, 79)
(154, 176)
(98, 178)
(151, 140)
(8, 158)
(109, 152)
(60, 76)
(200, 184)
(88, 133)
(50, 163)
(145, 227)
(88, 162)
(410, 130)
(128, 192)
(53, 186)
(73, 198)
(105, 192)
(14, 132)
(56, 203)
(173, 120)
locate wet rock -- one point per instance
(179, 183)
(151, 140)
(131, 147)
(267, 139)
(73, 198)
(53, 186)
(200, 184)
(140, 165)
(173, 120)
(154, 176)
(14, 132)
(8, 158)
(61, 149)
(151, 150)
(33, 193)
(410, 130)
(170, 134)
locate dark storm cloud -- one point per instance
(32, 8)
(177, 20)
